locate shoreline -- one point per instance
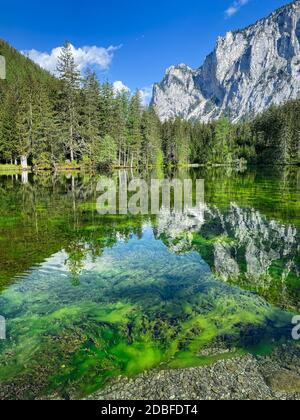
(273, 377)
(18, 170)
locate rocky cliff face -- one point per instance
(248, 71)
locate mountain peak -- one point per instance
(179, 67)
(249, 70)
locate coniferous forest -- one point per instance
(77, 121)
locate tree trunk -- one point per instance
(24, 177)
(71, 135)
(24, 163)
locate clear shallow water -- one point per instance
(89, 297)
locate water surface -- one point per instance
(89, 297)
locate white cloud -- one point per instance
(84, 57)
(235, 7)
(146, 94)
(119, 87)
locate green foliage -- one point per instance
(68, 101)
(176, 137)
(222, 150)
(151, 139)
(48, 120)
(107, 152)
(276, 134)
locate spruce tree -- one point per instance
(135, 129)
(222, 150)
(106, 109)
(8, 129)
(24, 124)
(91, 115)
(120, 126)
(46, 146)
(69, 100)
(151, 142)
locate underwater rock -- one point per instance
(284, 381)
(241, 378)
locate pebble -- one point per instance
(275, 377)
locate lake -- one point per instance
(88, 297)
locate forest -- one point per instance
(76, 121)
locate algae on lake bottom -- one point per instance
(89, 297)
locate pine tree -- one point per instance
(120, 126)
(44, 120)
(24, 124)
(151, 142)
(106, 109)
(8, 130)
(291, 135)
(91, 115)
(222, 150)
(182, 140)
(169, 143)
(135, 129)
(46, 147)
(69, 100)
(107, 155)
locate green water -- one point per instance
(89, 297)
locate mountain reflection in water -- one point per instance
(89, 297)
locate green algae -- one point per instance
(89, 297)
(187, 359)
(130, 336)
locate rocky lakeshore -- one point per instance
(274, 377)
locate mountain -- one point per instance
(19, 68)
(248, 71)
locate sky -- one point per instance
(130, 43)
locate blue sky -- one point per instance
(145, 37)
